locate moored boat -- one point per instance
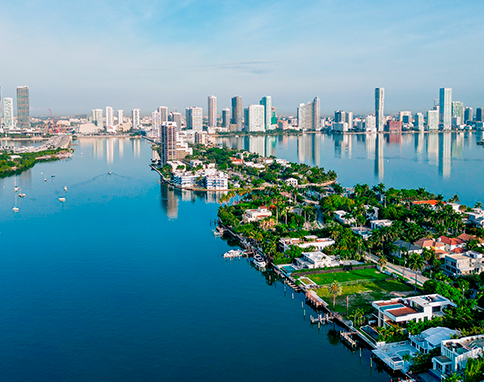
(259, 261)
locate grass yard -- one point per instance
(360, 274)
(360, 296)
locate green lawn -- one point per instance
(360, 274)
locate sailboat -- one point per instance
(65, 188)
(15, 208)
(16, 188)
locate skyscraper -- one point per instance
(120, 117)
(109, 117)
(163, 110)
(433, 120)
(226, 118)
(176, 117)
(255, 114)
(419, 121)
(212, 111)
(445, 108)
(155, 123)
(194, 116)
(308, 115)
(98, 118)
(339, 116)
(380, 108)
(23, 107)
(349, 119)
(168, 141)
(8, 113)
(468, 114)
(237, 112)
(266, 101)
(479, 115)
(136, 118)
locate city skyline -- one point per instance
(122, 53)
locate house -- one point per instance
(184, 179)
(291, 182)
(218, 181)
(401, 245)
(256, 214)
(431, 203)
(476, 217)
(455, 353)
(237, 161)
(399, 311)
(431, 338)
(466, 237)
(364, 232)
(377, 224)
(461, 264)
(341, 217)
(310, 260)
(451, 243)
(371, 212)
(309, 241)
(430, 244)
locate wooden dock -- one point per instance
(321, 319)
(347, 337)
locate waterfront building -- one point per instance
(218, 181)
(479, 115)
(266, 101)
(340, 127)
(184, 179)
(109, 117)
(8, 113)
(394, 126)
(212, 111)
(419, 121)
(349, 120)
(255, 118)
(433, 120)
(319, 243)
(406, 117)
(399, 311)
(168, 142)
(136, 118)
(445, 108)
(163, 110)
(194, 117)
(176, 117)
(370, 123)
(458, 113)
(98, 118)
(226, 118)
(253, 215)
(156, 124)
(309, 115)
(23, 108)
(379, 108)
(468, 114)
(339, 116)
(237, 112)
(463, 264)
(120, 117)
(318, 259)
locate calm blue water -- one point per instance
(444, 163)
(125, 282)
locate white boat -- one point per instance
(22, 195)
(15, 209)
(62, 200)
(65, 188)
(259, 261)
(233, 253)
(15, 187)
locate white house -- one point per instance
(364, 232)
(256, 214)
(340, 216)
(308, 241)
(184, 179)
(455, 353)
(291, 182)
(418, 308)
(377, 224)
(310, 260)
(431, 338)
(463, 263)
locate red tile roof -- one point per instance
(431, 202)
(451, 240)
(402, 311)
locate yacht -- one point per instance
(65, 188)
(62, 200)
(233, 253)
(259, 261)
(15, 209)
(22, 195)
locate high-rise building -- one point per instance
(266, 101)
(419, 121)
(339, 116)
(109, 117)
(155, 123)
(120, 117)
(468, 114)
(349, 119)
(308, 115)
(458, 111)
(370, 123)
(8, 113)
(479, 114)
(168, 141)
(380, 108)
(212, 111)
(194, 116)
(433, 120)
(176, 117)
(136, 118)
(23, 108)
(255, 118)
(237, 112)
(226, 118)
(98, 118)
(445, 108)
(406, 116)
(163, 110)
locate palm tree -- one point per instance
(478, 205)
(382, 263)
(454, 199)
(335, 289)
(416, 263)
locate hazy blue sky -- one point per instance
(80, 55)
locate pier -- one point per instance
(346, 336)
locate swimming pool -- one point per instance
(288, 269)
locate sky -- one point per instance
(76, 56)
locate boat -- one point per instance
(233, 253)
(22, 195)
(15, 209)
(217, 233)
(481, 143)
(15, 187)
(65, 188)
(45, 179)
(259, 261)
(61, 199)
(52, 176)
(110, 172)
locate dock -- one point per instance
(321, 319)
(347, 337)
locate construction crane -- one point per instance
(54, 124)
